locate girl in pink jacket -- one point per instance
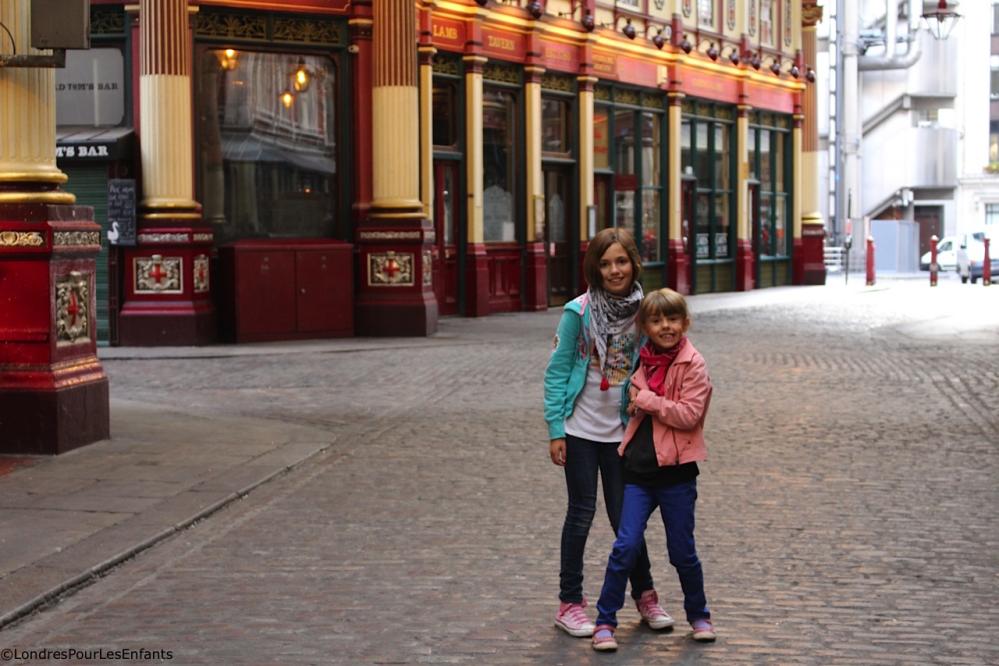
(662, 444)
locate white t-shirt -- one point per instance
(596, 415)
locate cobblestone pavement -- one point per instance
(847, 514)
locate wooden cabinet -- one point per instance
(286, 290)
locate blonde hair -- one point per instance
(599, 244)
(663, 302)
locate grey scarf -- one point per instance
(611, 315)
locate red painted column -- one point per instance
(360, 24)
(535, 250)
(987, 264)
(53, 390)
(871, 277)
(934, 268)
(745, 259)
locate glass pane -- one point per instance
(751, 152)
(721, 157)
(702, 158)
(780, 226)
(766, 174)
(624, 142)
(650, 225)
(445, 115)
(706, 13)
(721, 226)
(555, 188)
(601, 139)
(624, 209)
(766, 235)
(267, 166)
(651, 148)
(686, 156)
(780, 185)
(450, 189)
(498, 160)
(703, 225)
(554, 126)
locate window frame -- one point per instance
(693, 119)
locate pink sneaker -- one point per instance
(572, 620)
(652, 613)
(603, 639)
(704, 631)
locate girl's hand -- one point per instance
(556, 448)
(632, 393)
(632, 408)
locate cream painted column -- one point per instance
(809, 192)
(27, 119)
(534, 178)
(585, 160)
(745, 259)
(168, 293)
(427, 130)
(473, 146)
(394, 108)
(742, 228)
(796, 173)
(165, 107)
(678, 261)
(395, 290)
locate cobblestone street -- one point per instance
(848, 512)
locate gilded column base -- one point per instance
(53, 390)
(395, 273)
(168, 281)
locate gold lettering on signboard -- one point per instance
(501, 43)
(445, 31)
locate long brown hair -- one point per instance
(599, 244)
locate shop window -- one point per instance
(555, 126)
(769, 160)
(994, 142)
(445, 122)
(992, 214)
(632, 175)
(768, 13)
(267, 147)
(706, 154)
(499, 160)
(706, 13)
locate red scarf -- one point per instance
(656, 364)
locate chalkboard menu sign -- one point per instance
(121, 211)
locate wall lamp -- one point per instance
(535, 9)
(941, 20)
(662, 35)
(780, 66)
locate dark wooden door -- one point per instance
(558, 216)
(446, 230)
(930, 219)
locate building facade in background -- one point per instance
(466, 167)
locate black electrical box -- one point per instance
(60, 24)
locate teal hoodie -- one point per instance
(565, 375)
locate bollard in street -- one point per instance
(987, 265)
(933, 260)
(870, 261)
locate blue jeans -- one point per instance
(583, 458)
(676, 505)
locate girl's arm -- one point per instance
(557, 372)
(687, 412)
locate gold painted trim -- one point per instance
(33, 177)
(64, 239)
(21, 239)
(360, 21)
(171, 216)
(37, 197)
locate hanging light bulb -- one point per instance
(228, 59)
(300, 78)
(287, 98)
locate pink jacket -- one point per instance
(678, 416)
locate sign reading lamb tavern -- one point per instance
(90, 90)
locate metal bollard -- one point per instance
(933, 260)
(870, 261)
(987, 265)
